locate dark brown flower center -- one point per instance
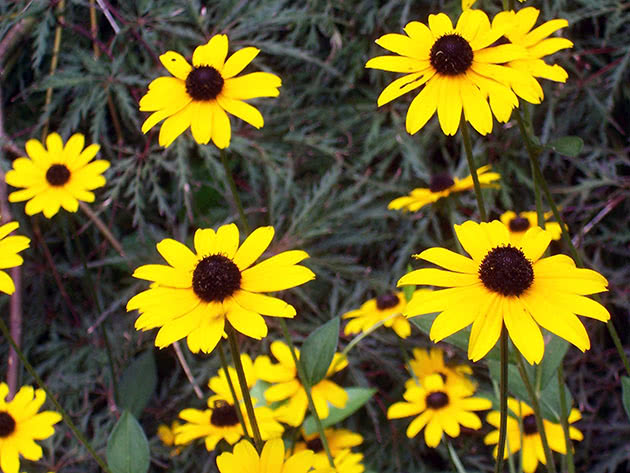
(57, 175)
(506, 270)
(204, 83)
(223, 415)
(441, 182)
(437, 400)
(7, 424)
(451, 55)
(315, 445)
(519, 224)
(529, 424)
(215, 278)
(387, 301)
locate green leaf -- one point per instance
(567, 145)
(554, 354)
(127, 446)
(357, 397)
(625, 393)
(137, 383)
(318, 351)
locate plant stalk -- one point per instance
(564, 420)
(235, 196)
(473, 169)
(237, 404)
(503, 395)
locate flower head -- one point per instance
(287, 385)
(199, 96)
(340, 441)
(520, 414)
(506, 283)
(457, 67)
(10, 246)
(441, 408)
(271, 460)
(429, 362)
(167, 435)
(443, 185)
(519, 223)
(198, 291)
(21, 425)
(59, 176)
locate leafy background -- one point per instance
(322, 171)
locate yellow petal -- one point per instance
(249, 86)
(247, 322)
(476, 108)
(265, 305)
(440, 25)
(272, 456)
(174, 126)
(227, 240)
(438, 277)
(242, 110)
(213, 53)
(221, 129)
(449, 260)
(523, 331)
(177, 254)
(433, 433)
(418, 423)
(176, 64)
(253, 246)
(403, 85)
(486, 328)
(404, 45)
(238, 61)
(201, 120)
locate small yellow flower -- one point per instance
(441, 408)
(10, 246)
(219, 383)
(340, 441)
(272, 459)
(21, 425)
(199, 96)
(386, 308)
(59, 176)
(428, 362)
(519, 414)
(519, 223)
(167, 435)
(287, 385)
(443, 185)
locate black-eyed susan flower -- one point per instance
(441, 408)
(340, 441)
(286, 385)
(443, 185)
(56, 176)
(386, 309)
(429, 362)
(244, 458)
(346, 461)
(21, 425)
(519, 414)
(198, 291)
(166, 434)
(503, 283)
(201, 96)
(458, 68)
(10, 246)
(519, 223)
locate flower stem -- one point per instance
(452, 454)
(551, 466)
(237, 406)
(240, 372)
(503, 383)
(564, 420)
(235, 196)
(307, 390)
(186, 368)
(66, 418)
(473, 169)
(103, 228)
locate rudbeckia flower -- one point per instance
(271, 460)
(502, 283)
(21, 425)
(441, 408)
(59, 176)
(197, 292)
(429, 362)
(166, 435)
(443, 185)
(287, 386)
(457, 67)
(340, 441)
(386, 308)
(199, 96)
(10, 246)
(519, 414)
(519, 223)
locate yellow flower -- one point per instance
(458, 67)
(442, 408)
(519, 223)
(287, 385)
(21, 425)
(518, 29)
(386, 308)
(519, 414)
(219, 383)
(167, 435)
(59, 176)
(502, 283)
(340, 441)
(346, 461)
(428, 362)
(271, 460)
(196, 293)
(10, 246)
(220, 421)
(443, 185)
(199, 96)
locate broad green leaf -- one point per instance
(554, 354)
(318, 351)
(137, 383)
(625, 393)
(567, 145)
(127, 446)
(357, 397)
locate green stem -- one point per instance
(109, 236)
(503, 395)
(237, 404)
(307, 390)
(247, 399)
(450, 208)
(564, 420)
(551, 466)
(473, 169)
(452, 454)
(235, 196)
(362, 335)
(66, 418)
